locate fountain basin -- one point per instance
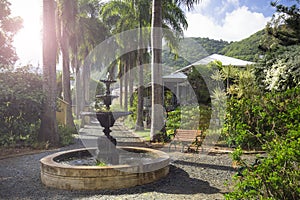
(58, 175)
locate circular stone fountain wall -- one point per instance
(62, 176)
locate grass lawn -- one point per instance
(145, 134)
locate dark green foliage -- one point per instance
(66, 135)
(275, 176)
(20, 105)
(100, 87)
(174, 62)
(188, 117)
(280, 69)
(251, 121)
(194, 49)
(270, 120)
(200, 80)
(246, 49)
(133, 108)
(212, 46)
(289, 32)
(191, 50)
(284, 27)
(8, 28)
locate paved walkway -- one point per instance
(124, 137)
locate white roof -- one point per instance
(175, 77)
(226, 60)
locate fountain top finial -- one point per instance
(108, 77)
(109, 80)
(107, 98)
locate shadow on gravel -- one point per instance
(203, 165)
(177, 182)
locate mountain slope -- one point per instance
(194, 49)
(246, 49)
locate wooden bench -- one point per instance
(187, 138)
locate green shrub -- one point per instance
(188, 117)
(276, 176)
(21, 99)
(66, 135)
(251, 121)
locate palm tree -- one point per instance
(188, 3)
(228, 72)
(9, 28)
(157, 118)
(48, 130)
(90, 31)
(121, 16)
(144, 19)
(125, 15)
(67, 23)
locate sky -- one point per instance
(28, 41)
(229, 20)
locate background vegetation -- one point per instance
(20, 104)
(21, 99)
(270, 118)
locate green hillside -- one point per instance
(192, 50)
(246, 49)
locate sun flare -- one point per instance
(28, 41)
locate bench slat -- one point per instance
(187, 138)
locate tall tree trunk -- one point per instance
(126, 65)
(157, 119)
(66, 84)
(48, 130)
(121, 85)
(78, 93)
(140, 105)
(86, 80)
(131, 77)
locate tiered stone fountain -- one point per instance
(58, 172)
(107, 151)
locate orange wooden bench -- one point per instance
(187, 138)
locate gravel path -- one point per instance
(192, 176)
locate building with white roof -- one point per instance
(225, 60)
(177, 81)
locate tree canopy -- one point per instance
(279, 68)
(284, 27)
(9, 26)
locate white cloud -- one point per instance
(225, 5)
(234, 2)
(236, 25)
